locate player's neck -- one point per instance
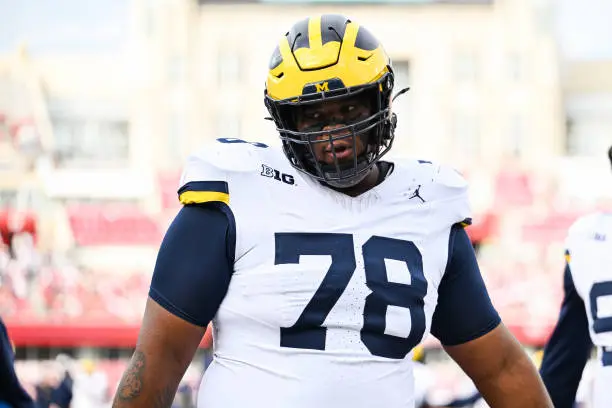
(369, 182)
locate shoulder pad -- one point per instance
(451, 190)
(430, 173)
(206, 174)
(445, 189)
(232, 155)
(450, 180)
(584, 228)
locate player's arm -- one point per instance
(568, 348)
(471, 332)
(11, 390)
(191, 277)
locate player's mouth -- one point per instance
(342, 150)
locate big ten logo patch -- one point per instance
(268, 171)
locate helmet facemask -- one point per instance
(369, 136)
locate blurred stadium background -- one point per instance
(101, 101)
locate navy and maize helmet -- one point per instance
(330, 58)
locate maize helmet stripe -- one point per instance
(314, 33)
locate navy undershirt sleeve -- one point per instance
(195, 262)
(464, 311)
(568, 348)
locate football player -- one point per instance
(586, 314)
(321, 265)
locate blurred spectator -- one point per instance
(43, 394)
(62, 394)
(90, 386)
(46, 387)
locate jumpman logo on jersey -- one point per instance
(416, 194)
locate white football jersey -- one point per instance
(589, 246)
(329, 293)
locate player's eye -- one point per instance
(352, 113)
(349, 110)
(313, 121)
(312, 115)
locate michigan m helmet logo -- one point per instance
(322, 86)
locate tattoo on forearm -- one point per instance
(132, 384)
(132, 381)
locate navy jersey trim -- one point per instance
(216, 186)
(466, 222)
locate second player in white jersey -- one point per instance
(586, 315)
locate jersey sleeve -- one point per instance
(464, 311)
(568, 348)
